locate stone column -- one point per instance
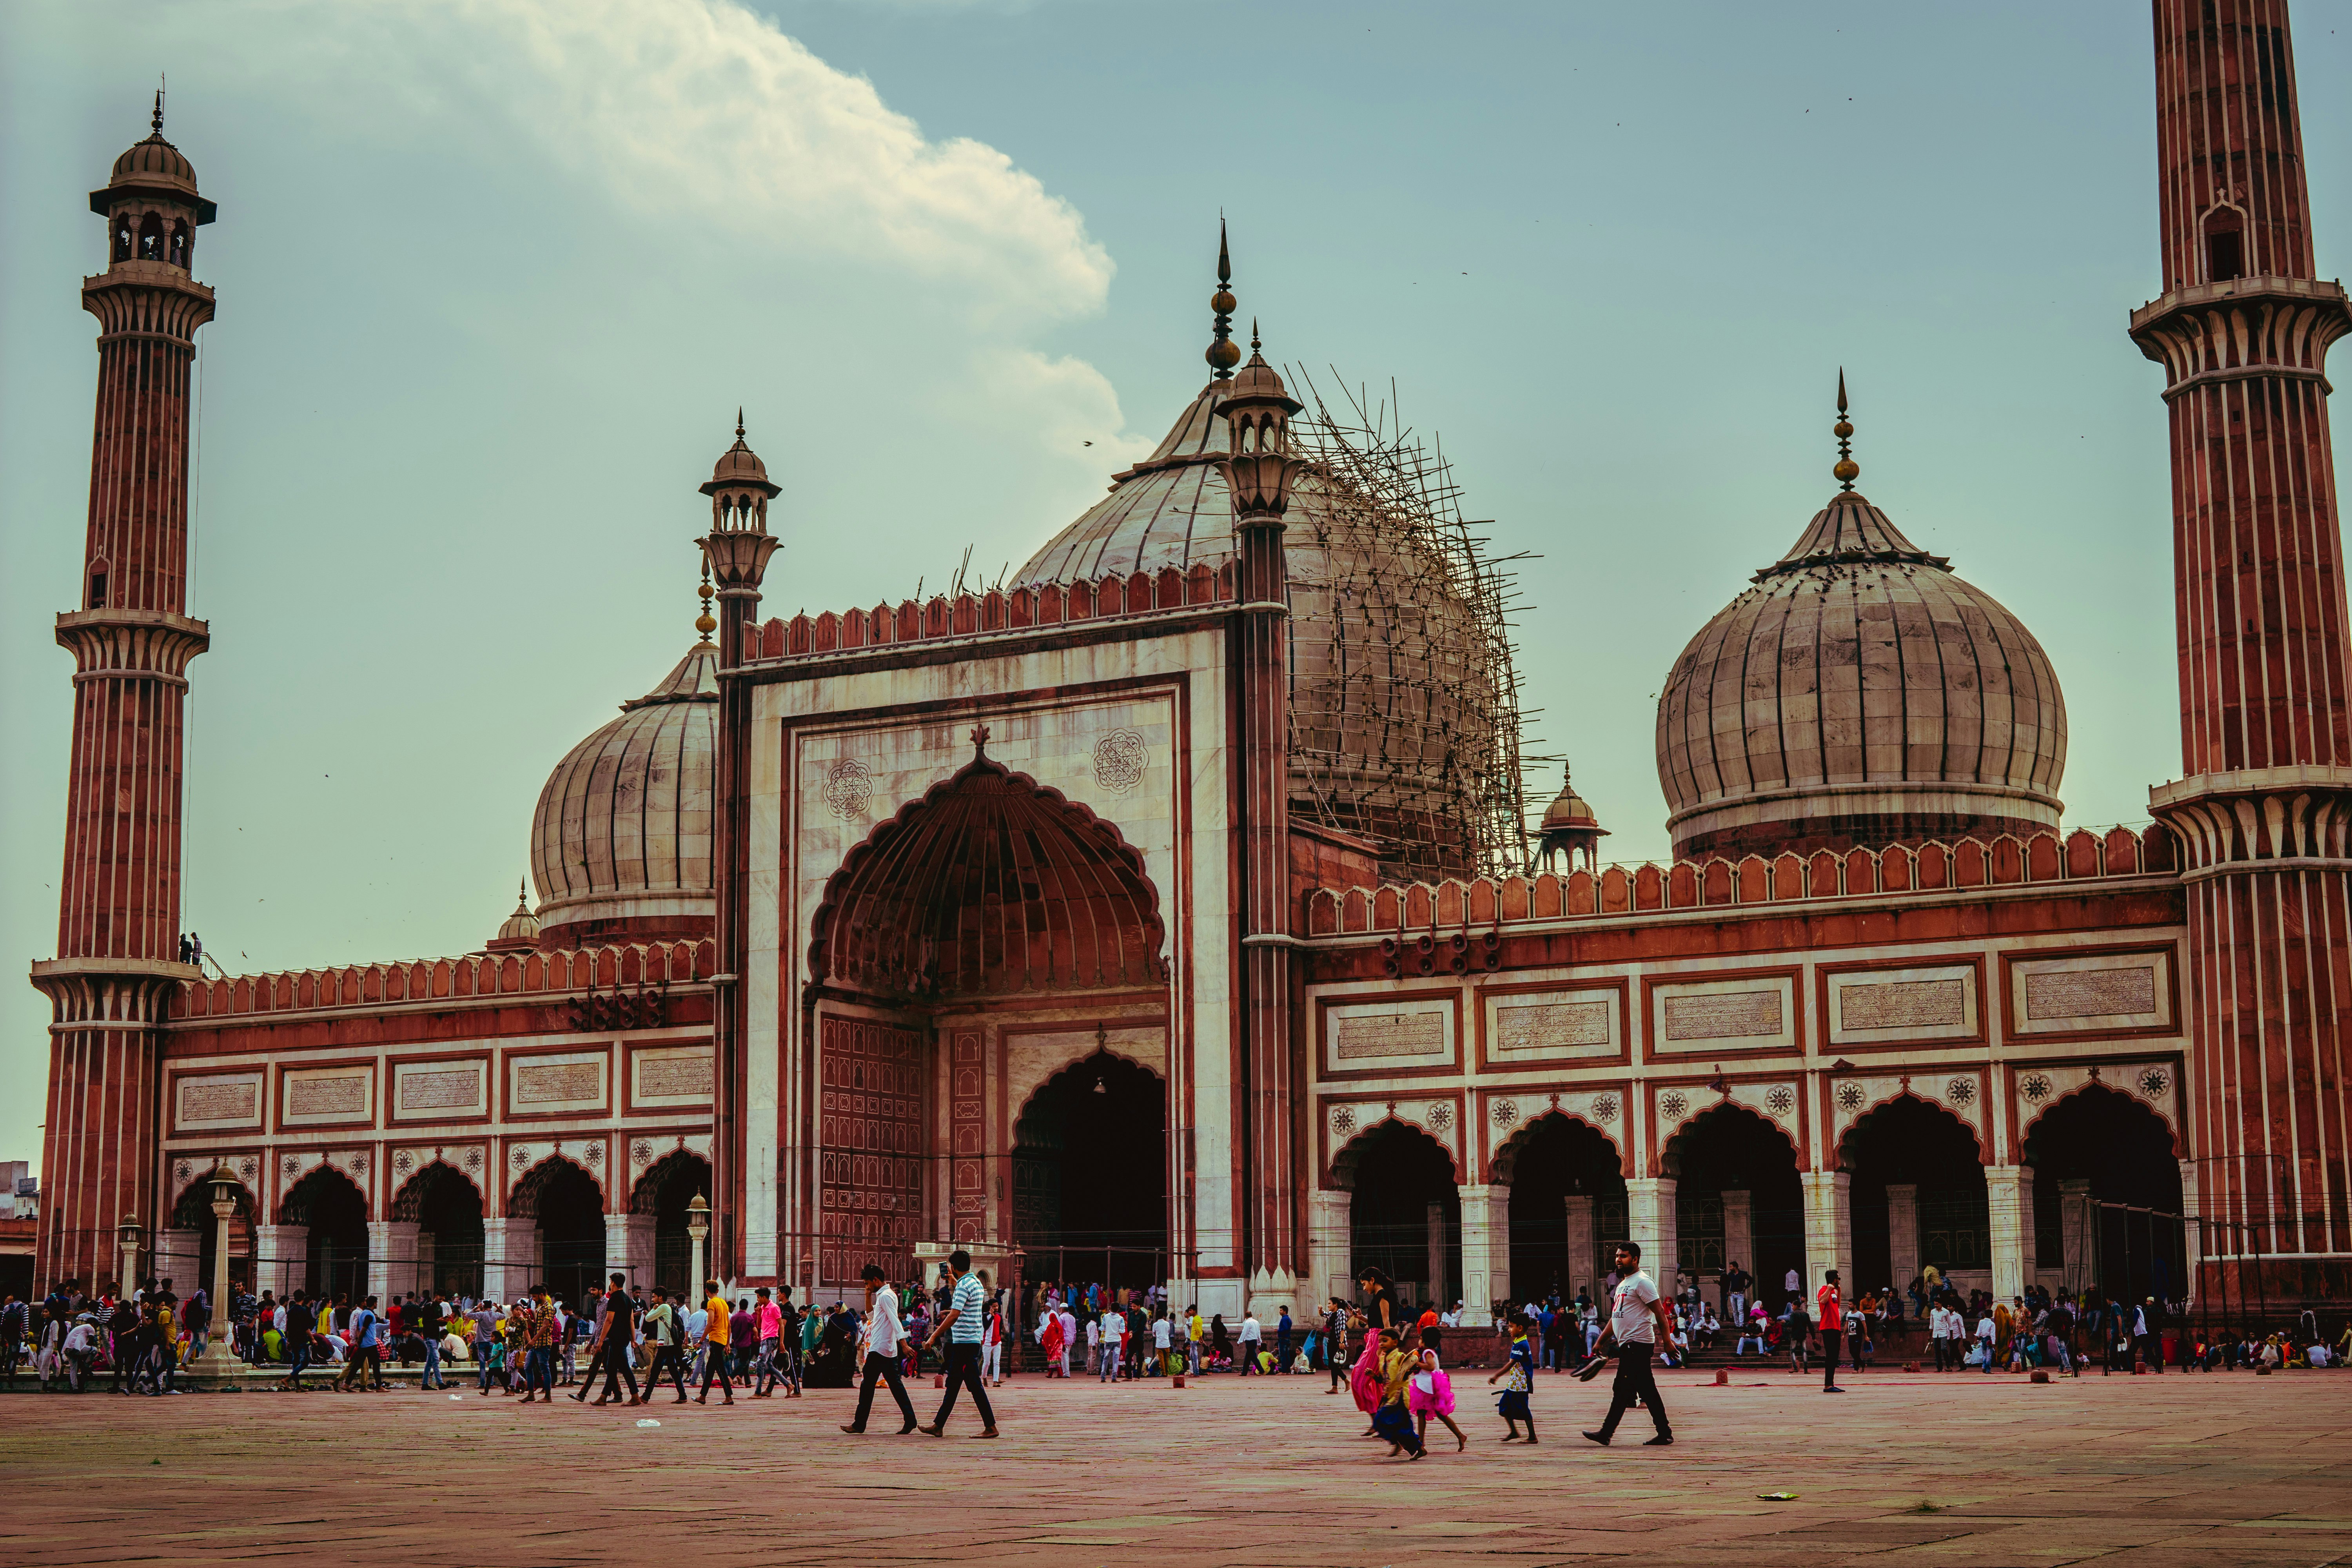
(1485, 1252)
(180, 1258)
(629, 1248)
(2078, 1234)
(1328, 1245)
(1581, 1242)
(427, 1274)
(2008, 1196)
(509, 1258)
(1828, 1230)
(281, 1256)
(1740, 1239)
(1902, 1238)
(1434, 1271)
(391, 1257)
(2192, 1239)
(1650, 1218)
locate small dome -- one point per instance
(1569, 811)
(1257, 379)
(739, 464)
(155, 162)
(1858, 693)
(521, 928)
(621, 841)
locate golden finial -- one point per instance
(1223, 355)
(522, 894)
(158, 121)
(1847, 469)
(703, 623)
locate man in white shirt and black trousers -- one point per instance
(963, 1323)
(1637, 1320)
(883, 1339)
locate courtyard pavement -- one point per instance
(2220, 1469)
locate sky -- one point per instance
(494, 277)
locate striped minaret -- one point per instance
(119, 905)
(2262, 810)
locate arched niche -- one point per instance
(446, 1207)
(1567, 1182)
(1738, 1197)
(569, 1204)
(1405, 1216)
(334, 1213)
(666, 1191)
(1913, 1141)
(194, 1212)
(1090, 1174)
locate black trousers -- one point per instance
(616, 1370)
(963, 1370)
(1635, 1382)
(588, 1376)
(715, 1357)
(887, 1367)
(668, 1359)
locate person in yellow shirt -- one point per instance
(714, 1340)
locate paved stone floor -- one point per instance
(2229, 1469)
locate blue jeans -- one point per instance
(431, 1378)
(482, 1349)
(539, 1371)
(196, 1338)
(297, 1356)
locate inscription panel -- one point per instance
(1406, 1036)
(2092, 995)
(328, 1094)
(424, 1090)
(1938, 1003)
(1525, 1027)
(218, 1101)
(1757, 1012)
(542, 1085)
(683, 1076)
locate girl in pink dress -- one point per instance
(1431, 1392)
(1364, 1379)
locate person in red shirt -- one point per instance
(1830, 1315)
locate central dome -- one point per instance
(1858, 694)
(1399, 678)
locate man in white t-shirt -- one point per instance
(885, 1341)
(1113, 1324)
(1162, 1331)
(1637, 1321)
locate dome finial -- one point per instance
(162, 83)
(1223, 355)
(522, 894)
(1847, 470)
(738, 418)
(703, 623)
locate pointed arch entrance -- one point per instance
(570, 1208)
(447, 1209)
(1089, 1181)
(990, 894)
(1918, 1197)
(664, 1191)
(194, 1213)
(1737, 1199)
(1567, 1183)
(334, 1211)
(2097, 1156)
(1405, 1217)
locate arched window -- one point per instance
(151, 239)
(98, 584)
(178, 255)
(2225, 245)
(123, 237)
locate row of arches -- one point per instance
(154, 238)
(1917, 1196)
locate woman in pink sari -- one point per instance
(1364, 1377)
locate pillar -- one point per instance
(1650, 1218)
(1902, 1238)
(2192, 1237)
(1485, 1252)
(629, 1248)
(179, 1256)
(1829, 1229)
(1740, 1237)
(1433, 1271)
(391, 1258)
(1329, 1244)
(2078, 1236)
(281, 1256)
(427, 1270)
(509, 1258)
(1581, 1243)
(2009, 1193)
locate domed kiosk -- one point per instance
(1858, 693)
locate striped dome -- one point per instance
(1858, 693)
(621, 841)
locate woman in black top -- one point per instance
(1380, 1300)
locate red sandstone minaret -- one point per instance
(2243, 331)
(119, 908)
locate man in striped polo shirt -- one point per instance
(963, 1323)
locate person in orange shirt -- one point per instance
(1831, 1317)
(714, 1337)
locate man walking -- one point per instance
(1830, 1313)
(885, 1342)
(662, 1332)
(1637, 1320)
(1282, 1341)
(1252, 1335)
(300, 1323)
(716, 1327)
(768, 1328)
(616, 1332)
(542, 1322)
(963, 1323)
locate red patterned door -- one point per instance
(869, 1147)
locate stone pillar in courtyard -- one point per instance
(179, 1256)
(2009, 1197)
(1581, 1242)
(1902, 1238)
(282, 1255)
(1649, 1225)
(510, 1259)
(629, 1248)
(1329, 1244)
(391, 1258)
(1739, 1239)
(2078, 1234)
(1829, 1231)
(1485, 1252)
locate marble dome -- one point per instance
(1858, 693)
(621, 840)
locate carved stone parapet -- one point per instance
(739, 559)
(132, 645)
(147, 299)
(2260, 819)
(2244, 327)
(109, 992)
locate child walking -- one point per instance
(1392, 1420)
(1518, 1375)
(1430, 1394)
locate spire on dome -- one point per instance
(704, 625)
(1847, 470)
(521, 929)
(158, 121)
(1223, 355)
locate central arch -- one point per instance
(1406, 1215)
(1090, 1175)
(1567, 1202)
(335, 1211)
(1911, 1143)
(570, 1208)
(447, 1209)
(1737, 1199)
(991, 883)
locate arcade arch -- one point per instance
(666, 1189)
(1567, 1205)
(2094, 1148)
(334, 1212)
(194, 1212)
(1737, 1199)
(447, 1209)
(1405, 1215)
(1090, 1175)
(1918, 1197)
(570, 1208)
